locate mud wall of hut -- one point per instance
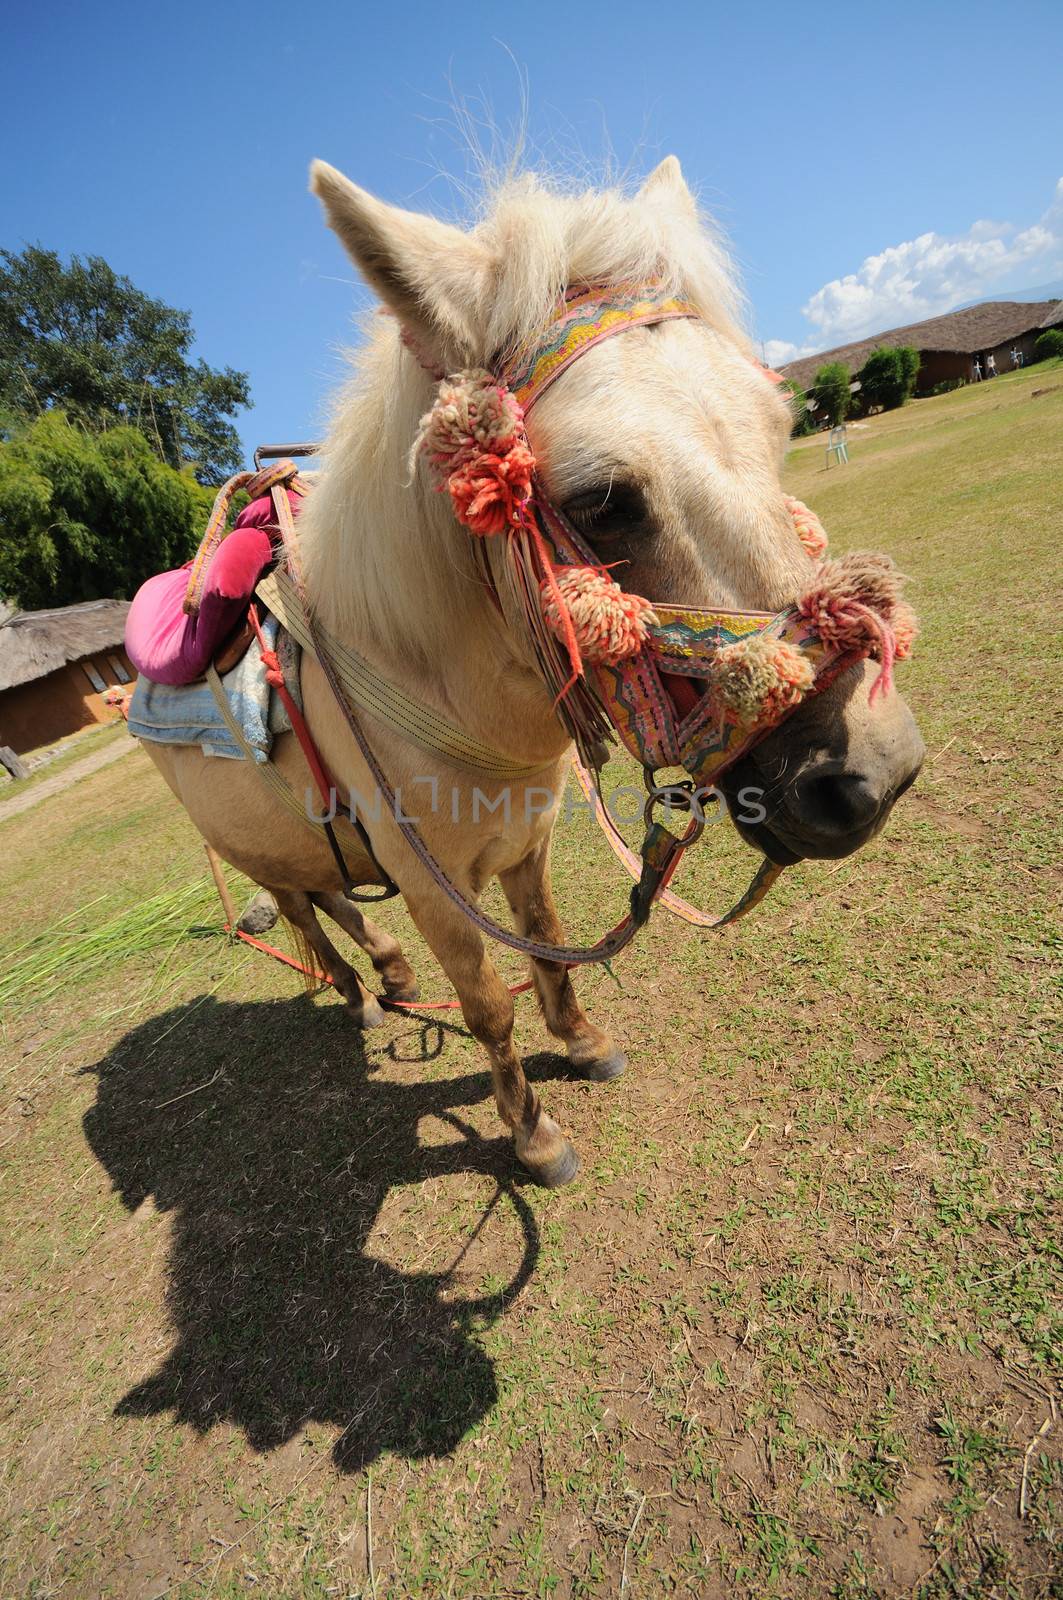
(49, 708)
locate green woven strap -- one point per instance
(266, 770)
(280, 786)
(370, 692)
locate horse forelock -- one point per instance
(387, 565)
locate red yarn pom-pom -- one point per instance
(810, 530)
(760, 678)
(856, 605)
(905, 629)
(490, 491)
(472, 415)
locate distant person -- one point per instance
(990, 365)
(1015, 357)
(977, 370)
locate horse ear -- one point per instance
(667, 179)
(432, 276)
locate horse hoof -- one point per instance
(406, 994)
(606, 1069)
(370, 1014)
(561, 1170)
(260, 913)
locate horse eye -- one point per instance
(608, 511)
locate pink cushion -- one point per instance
(260, 514)
(169, 647)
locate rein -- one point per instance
(680, 685)
(657, 867)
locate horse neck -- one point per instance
(391, 574)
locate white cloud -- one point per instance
(929, 275)
(778, 351)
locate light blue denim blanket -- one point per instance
(188, 714)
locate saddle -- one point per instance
(171, 643)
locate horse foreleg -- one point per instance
(382, 948)
(487, 1007)
(364, 1007)
(527, 888)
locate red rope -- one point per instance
(275, 677)
(278, 955)
(323, 977)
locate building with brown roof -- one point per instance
(55, 669)
(948, 346)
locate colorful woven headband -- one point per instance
(587, 316)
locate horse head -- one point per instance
(663, 449)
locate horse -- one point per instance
(664, 449)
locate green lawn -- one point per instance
(281, 1317)
(74, 748)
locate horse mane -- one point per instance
(387, 566)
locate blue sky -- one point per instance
(870, 163)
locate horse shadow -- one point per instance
(261, 1129)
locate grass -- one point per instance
(281, 1318)
(71, 749)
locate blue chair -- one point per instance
(837, 446)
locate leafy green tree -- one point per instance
(1048, 344)
(804, 422)
(911, 362)
(830, 390)
(84, 339)
(888, 376)
(89, 516)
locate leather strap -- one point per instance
(661, 852)
(373, 693)
(766, 875)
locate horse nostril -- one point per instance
(837, 802)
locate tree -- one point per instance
(911, 362)
(1048, 344)
(830, 391)
(888, 376)
(86, 340)
(804, 422)
(89, 516)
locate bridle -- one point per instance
(679, 685)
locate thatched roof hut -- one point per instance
(974, 330)
(34, 643)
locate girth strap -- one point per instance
(283, 790)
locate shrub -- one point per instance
(888, 376)
(1048, 344)
(911, 363)
(830, 390)
(804, 422)
(89, 516)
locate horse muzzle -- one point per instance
(823, 783)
